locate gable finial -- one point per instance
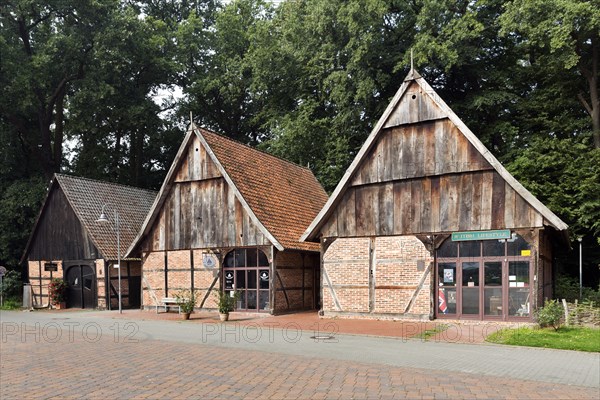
(412, 67)
(191, 119)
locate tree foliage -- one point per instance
(304, 79)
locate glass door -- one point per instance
(518, 289)
(470, 288)
(447, 288)
(246, 271)
(492, 288)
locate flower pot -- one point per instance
(185, 316)
(224, 316)
(60, 306)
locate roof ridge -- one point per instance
(59, 175)
(255, 148)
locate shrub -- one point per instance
(12, 303)
(226, 302)
(567, 288)
(550, 314)
(11, 284)
(186, 299)
(57, 291)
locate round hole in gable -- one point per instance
(414, 96)
(196, 149)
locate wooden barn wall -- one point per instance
(201, 210)
(427, 178)
(59, 234)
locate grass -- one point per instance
(566, 338)
(11, 304)
(432, 332)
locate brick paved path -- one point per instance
(50, 361)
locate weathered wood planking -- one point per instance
(386, 209)
(196, 164)
(425, 149)
(415, 106)
(479, 200)
(59, 234)
(201, 214)
(466, 202)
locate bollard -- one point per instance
(27, 300)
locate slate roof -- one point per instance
(87, 196)
(285, 197)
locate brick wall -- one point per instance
(128, 267)
(153, 282)
(394, 289)
(179, 277)
(39, 288)
(294, 281)
(100, 284)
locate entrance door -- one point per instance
(246, 271)
(484, 279)
(81, 291)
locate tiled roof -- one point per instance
(87, 197)
(284, 196)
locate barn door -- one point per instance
(81, 291)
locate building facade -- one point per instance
(229, 217)
(426, 223)
(67, 242)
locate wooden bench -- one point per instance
(169, 301)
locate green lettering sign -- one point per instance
(481, 235)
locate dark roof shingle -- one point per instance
(87, 198)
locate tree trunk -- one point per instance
(593, 107)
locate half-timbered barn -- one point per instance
(67, 242)
(229, 217)
(426, 223)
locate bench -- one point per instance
(169, 301)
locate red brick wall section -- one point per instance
(100, 284)
(34, 280)
(396, 277)
(179, 277)
(203, 278)
(346, 264)
(153, 282)
(292, 267)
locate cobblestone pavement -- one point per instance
(71, 357)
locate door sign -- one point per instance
(228, 280)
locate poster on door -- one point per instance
(229, 280)
(448, 276)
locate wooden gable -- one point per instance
(201, 209)
(422, 171)
(59, 234)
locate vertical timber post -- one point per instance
(371, 274)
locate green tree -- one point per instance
(570, 31)
(46, 49)
(19, 207)
(332, 67)
(114, 117)
(218, 75)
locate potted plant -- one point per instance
(186, 300)
(226, 303)
(57, 293)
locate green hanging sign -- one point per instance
(481, 235)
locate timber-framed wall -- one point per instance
(420, 178)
